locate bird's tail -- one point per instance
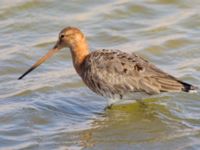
(188, 87)
(171, 84)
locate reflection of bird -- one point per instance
(113, 73)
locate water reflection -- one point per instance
(52, 109)
(148, 122)
(118, 122)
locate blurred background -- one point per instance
(52, 109)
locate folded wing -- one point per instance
(116, 72)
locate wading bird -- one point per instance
(113, 73)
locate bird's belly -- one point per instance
(111, 93)
(115, 97)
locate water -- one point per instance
(52, 109)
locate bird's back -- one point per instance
(113, 73)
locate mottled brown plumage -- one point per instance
(113, 73)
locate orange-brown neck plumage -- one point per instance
(79, 52)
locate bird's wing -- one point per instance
(120, 72)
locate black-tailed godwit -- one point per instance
(113, 73)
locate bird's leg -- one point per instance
(141, 102)
(111, 102)
(108, 107)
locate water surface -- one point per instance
(52, 109)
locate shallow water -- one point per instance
(52, 109)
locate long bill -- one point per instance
(40, 61)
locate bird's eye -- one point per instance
(62, 36)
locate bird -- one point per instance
(113, 73)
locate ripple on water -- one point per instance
(52, 109)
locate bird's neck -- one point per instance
(79, 52)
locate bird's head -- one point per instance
(70, 37)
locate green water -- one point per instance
(52, 109)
